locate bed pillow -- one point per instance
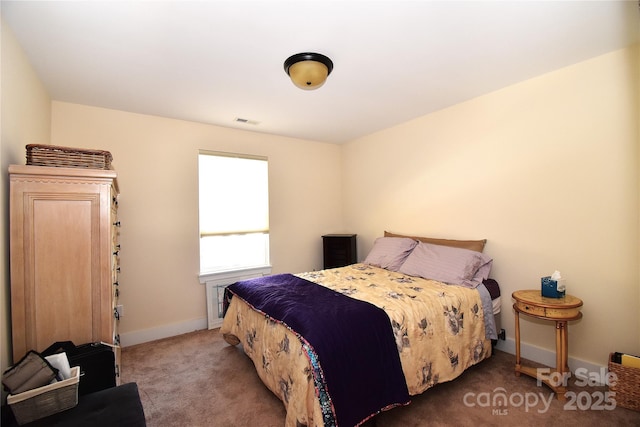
(390, 252)
(474, 245)
(446, 264)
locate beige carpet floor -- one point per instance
(198, 380)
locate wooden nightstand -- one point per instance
(339, 250)
(560, 310)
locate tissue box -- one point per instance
(550, 288)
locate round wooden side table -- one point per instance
(560, 310)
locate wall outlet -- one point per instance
(120, 310)
(502, 335)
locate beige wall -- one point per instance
(25, 119)
(156, 161)
(546, 170)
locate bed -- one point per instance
(338, 346)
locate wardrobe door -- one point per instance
(61, 286)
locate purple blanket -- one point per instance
(353, 352)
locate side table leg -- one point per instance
(517, 317)
(565, 333)
(559, 347)
(561, 359)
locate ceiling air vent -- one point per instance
(245, 121)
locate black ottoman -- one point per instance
(116, 406)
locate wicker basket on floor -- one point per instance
(43, 401)
(67, 157)
(626, 386)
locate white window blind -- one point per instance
(234, 211)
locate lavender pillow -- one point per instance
(390, 252)
(446, 264)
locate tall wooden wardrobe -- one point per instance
(64, 256)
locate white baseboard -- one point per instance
(581, 368)
(527, 351)
(216, 323)
(165, 331)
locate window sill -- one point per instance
(215, 284)
(238, 274)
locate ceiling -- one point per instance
(217, 61)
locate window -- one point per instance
(234, 212)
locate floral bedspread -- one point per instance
(439, 332)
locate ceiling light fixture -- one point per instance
(308, 71)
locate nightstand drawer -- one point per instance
(531, 302)
(530, 309)
(548, 312)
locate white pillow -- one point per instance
(390, 252)
(446, 264)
